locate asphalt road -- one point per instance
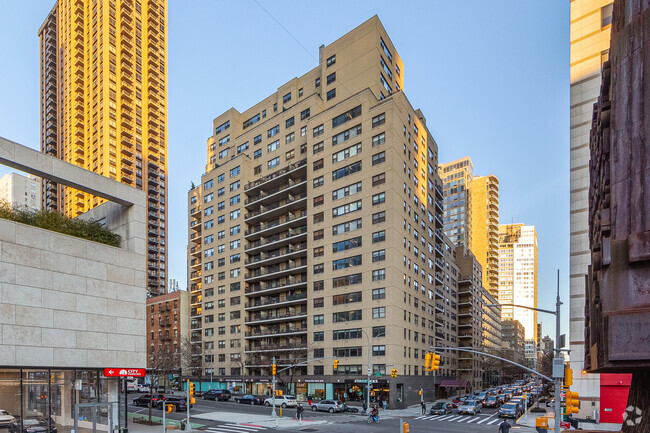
(486, 421)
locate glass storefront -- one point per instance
(45, 400)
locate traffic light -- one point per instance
(274, 369)
(572, 403)
(420, 392)
(336, 364)
(393, 372)
(169, 408)
(568, 375)
(435, 362)
(191, 392)
(427, 361)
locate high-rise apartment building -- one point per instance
(484, 228)
(591, 22)
(21, 191)
(316, 232)
(104, 105)
(471, 215)
(456, 177)
(518, 275)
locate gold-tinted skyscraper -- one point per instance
(104, 105)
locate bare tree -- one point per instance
(192, 360)
(162, 362)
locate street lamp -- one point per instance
(558, 360)
(383, 334)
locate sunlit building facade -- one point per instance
(104, 106)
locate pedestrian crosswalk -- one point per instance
(235, 428)
(476, 419)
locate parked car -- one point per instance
(6, 419)
(492, 401)
(131, 386)
(217, 394)
(251, 399)
(147, 399)
(179, 402)
(282, 400)
(143, 388)
(330, 406)
(471, 407)
(481, 396)
(440, 408)
(33, 425)
(509, 410)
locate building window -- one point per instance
(379, 217)
(289, 122)
(318, 164)
(319, 200)
(300, 92)
(378, 179)
(379, 236)
(385, 48)
(379, 120)
(319, 353)
(379, 139)
(304, 114)
(346, 208)
(347, 298)
(319, 319)
(318, 147)
(379, 312)
(319, 217)
(317, 82)
(606, 15)
(319, 285)
(318, 130)
(346, 191)
(331, 61)
(319, 181)
(347, 316)
(345, 227)
(319, 336)
(319, 234)
(319, 302)
(347, 170)
(379, 293)
(347, 153)
(257, 139)
(331, 94)
(286, 98)
(379, 350)
(378, 331)
(378, 256)
(378, 198)
(331, 78)
(319, 251)
(289, 155)
(379, 274)
(273, 131)
(378, 158)
(347, 262)
(273, 162)
(319, 268)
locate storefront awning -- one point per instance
(454, 384)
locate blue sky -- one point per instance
(492, 79)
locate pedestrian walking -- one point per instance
(384, 403)
(365, 406)
(424, 408)
(504, 427)
(299, 411)
(309, 400)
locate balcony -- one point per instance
(277, 241)
(281, 285)
(291, 203)
(272, 347)
(271, 195)
(290, 267)
(276, 256)
(275, 301)
(275, 331)
(196, 252)
(269, 228)
(276, 316)
(275, 178)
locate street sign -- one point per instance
(377, 374)
(125, 372)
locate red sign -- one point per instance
(125, 372)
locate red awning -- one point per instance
(454, 384)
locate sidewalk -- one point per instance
(585, 426)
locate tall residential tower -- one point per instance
(104, 105)
(316, 232)
(518, 275)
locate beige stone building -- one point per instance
(471, 215)
(70, 307)
(21, 191)
(316, 233)
(590, 36)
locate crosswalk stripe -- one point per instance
(420, 417)
(215, 430)
(453, 418)
(448, 417)
(483, 420)
(238, 428)
(493, 421)
(465, 418)
(472, 420)
(430, 417)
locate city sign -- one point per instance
(125, 372)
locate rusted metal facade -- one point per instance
(617, 310)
